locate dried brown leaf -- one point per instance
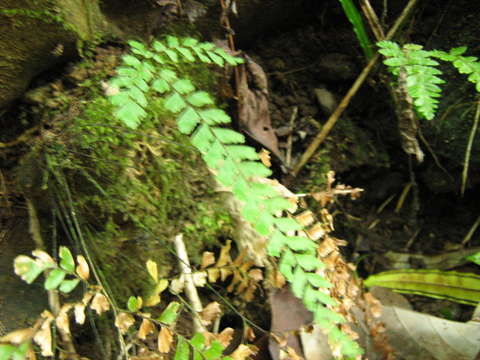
(225, 337)
(100, 303)
(82, 269)
(243, 352)
(146, 328)
(123, 321)
(43, 256)
(213, 275)
(43, 337)
(224, 257)
(79, 311)
(224, 273)
(255, 274)
(165, 338)
(210, 313)
(18, 336)
(265, 157)
(62, 321)
(306, 218)
(208, 258)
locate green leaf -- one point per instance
(262, 190)
(189, 42)
(228, 173)
(463, 288)
(160, 85)
(172, 55)
(188, 120)
(183, 350)
(215, 155)
(214, 116)
(254, 169)
(186, 54)
(286, 265)
(276, 204)
(264, 224)
(241, 190)
(169, 315)
(299, 282)
(137, 95)
(318, 281)
(131, 61)
(475, 258)
(206, 46)
(54, 278)
(183, 86)
(309, 262)
(198, 341)
(175, 103)
(202, 138)
(200, 98)
(134, 303)
(276, 243)
(286, 224)
(242, 152)
(214, 352)
(201, 55)
(27, 268)
(158, 46)
(130, 114)
(301, 243)
(172, 41)
(167, 75)
(127, 72)
(215, 58)
(68, 285)
(6, 351)
(322, 313)
(228, 136)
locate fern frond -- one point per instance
(235, 166)
(422, 76)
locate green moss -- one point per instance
(132, 191)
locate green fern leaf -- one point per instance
(288, 224)
(215, 58)
(174, 103)
(189, 42)
(161, 86)
(130, 114)
(182, 351)
(159, 59)
(264, 224)
(254, 169)
(276, 243)
(318, 281)
(242, 152)
(299, 282)
(286, 265)
(309, 262)
(183, 86)
(158, 46)
(137, 95)
(201, 55)
(202, 138)
(228, 173)
(167, 75)
(172, 55)
(188, 120)
(132, 61)
(186, 53)
(214, 116)
(172, 41)
(276, 204)
(241, 190)
(228, 136)
(215, 155)
(301, 243)
(200, 98)
(251, 211)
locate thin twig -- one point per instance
(470, 233)
(372, 19)
(353, 90)
(288, 155)
(190, 289)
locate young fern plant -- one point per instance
(422, 74)
(150, 72)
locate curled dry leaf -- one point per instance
(165, 338)
(208, 258)
(62, 322)
(255, 274)
(123, 321)
(211, 312)
(79, 311)
(43, 337)
(265, 157)
(18, 336)
(243, 352)
(146, 328)
(225, 337)
(82, 268)
(100, 303)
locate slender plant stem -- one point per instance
(468, 151)
(321, 136)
